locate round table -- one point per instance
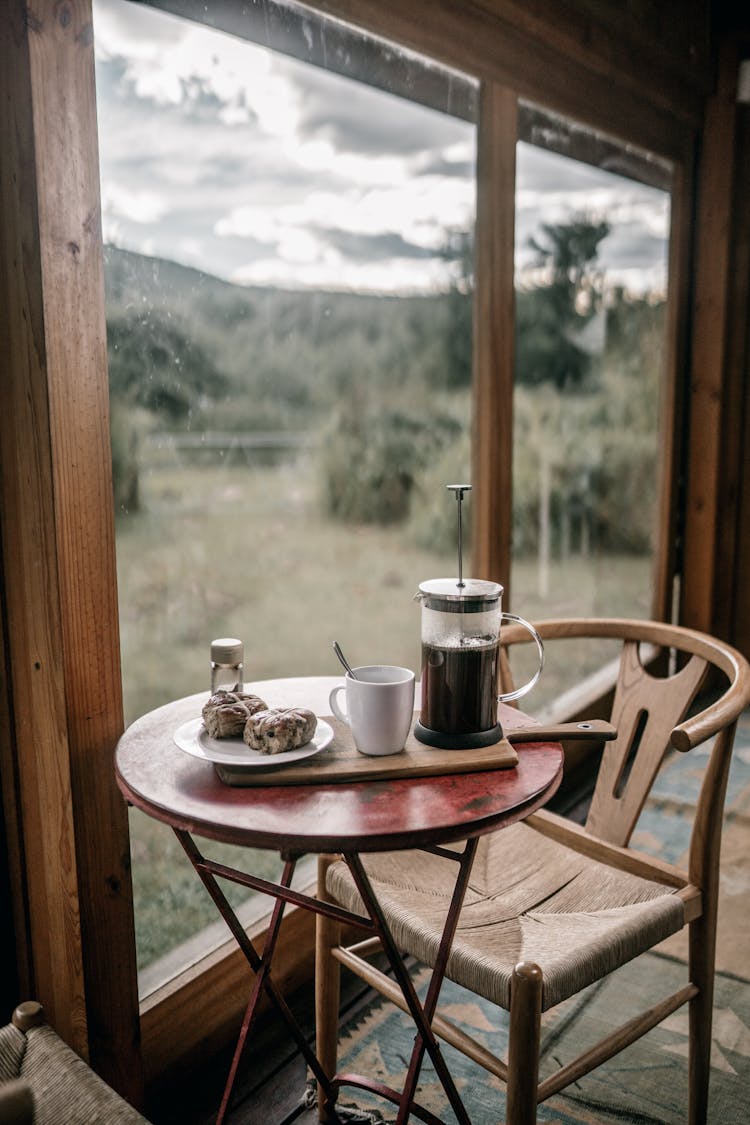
(184, 792)
(351, 818)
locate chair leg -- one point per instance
(327, 990)
(702, 938)
(523, 1048)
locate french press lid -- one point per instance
(459, 595)
(454, 595)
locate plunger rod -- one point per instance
(459, 490)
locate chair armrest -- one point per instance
(576, 837)
(721, 714)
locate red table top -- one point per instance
(166, 783)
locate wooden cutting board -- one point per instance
(341, 761)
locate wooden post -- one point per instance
(494, 334)
(63, 705)
(702, 582)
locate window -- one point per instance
(288, 268)
(592, 235)
(289, 273)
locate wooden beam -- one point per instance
(58, 540)
(35, 750)
(672, 405)
(585, 40)
(739, 630)
(732, 609)
(669, 42)
(712, 287)
(491, 43)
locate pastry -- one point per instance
(226, 713)
(274, 731)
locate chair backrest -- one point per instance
(661, 672)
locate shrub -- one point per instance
(372, 457)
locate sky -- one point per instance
(222, 155)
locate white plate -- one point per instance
(193, 738)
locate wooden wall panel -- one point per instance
(668, 40)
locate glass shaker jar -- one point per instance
(227, 667)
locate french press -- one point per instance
(460, 651)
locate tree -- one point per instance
(551, 316)
(155, 365)
(154, 369)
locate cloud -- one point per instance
(420, 215)
(221, 154)
(142, 207)
(443, 164)
(334, 272)
(374, 247)
(168, 61)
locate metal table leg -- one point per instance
(422, 1014)
(261, 964)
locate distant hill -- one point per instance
(131, 277)
(304, 345)
(134, 281)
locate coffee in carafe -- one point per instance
(458, 687)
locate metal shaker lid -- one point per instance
(227, 650)
(451, 595)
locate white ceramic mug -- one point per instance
(379, 707)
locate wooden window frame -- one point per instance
(61, 700)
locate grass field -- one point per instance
(241, 551)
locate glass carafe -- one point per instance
(460, 651)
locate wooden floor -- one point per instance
(271, 1086)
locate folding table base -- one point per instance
(422, 1014)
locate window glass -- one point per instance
(591, 286)
(289, 334)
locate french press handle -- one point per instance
(518, 692)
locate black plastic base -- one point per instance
(469, 741)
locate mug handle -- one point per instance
(334, 704)
(540, 649)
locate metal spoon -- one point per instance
(342, 658)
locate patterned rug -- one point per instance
(647, 1083)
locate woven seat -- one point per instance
(552, 906)
(44, 1082)
(529, 899)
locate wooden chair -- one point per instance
(44, 1082)
(580, 902)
